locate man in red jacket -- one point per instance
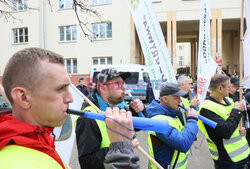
(37, 86)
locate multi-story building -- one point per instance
(55, 27)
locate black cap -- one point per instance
(235, 81)
(171, 89)
(247, 96)
(110, 73)
(81, 78)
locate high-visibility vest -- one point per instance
(237, 146)
(102, 127)
(191, 79)
(19, 157)
(183, 157)
(185, 102)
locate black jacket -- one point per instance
(88, 138)
(224, 129)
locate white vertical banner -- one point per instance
(64, 147)
(153, 43)
(206, 64)
(246, 42)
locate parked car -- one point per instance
(136, 83)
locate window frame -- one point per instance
(16, 5)
(98, 3)
(181, 60)
(65, 33)
(18, 36)
(100, 58)
(65, 3)
(98, 27)
(72, 67)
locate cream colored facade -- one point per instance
(179, 20)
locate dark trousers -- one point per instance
(230, 166)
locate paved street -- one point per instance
(199, 157)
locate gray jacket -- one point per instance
(121, 155)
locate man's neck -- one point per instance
(217, 96)
(22, 115)
(106, 100)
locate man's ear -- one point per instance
(21, 97)
(164, 98)
(220, 88)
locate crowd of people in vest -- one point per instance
(36, 84)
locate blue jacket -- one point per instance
(173, 139)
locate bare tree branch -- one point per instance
(79, 5)
(8, 9)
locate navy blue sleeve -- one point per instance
(181, 141)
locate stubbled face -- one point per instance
(225, 90)
(187, 85)
(51, 97)
(233, 89)
(115, 90)
(173, 102)
(81, 82)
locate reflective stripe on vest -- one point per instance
(19, 157)
(182, 159)
(237, 146)
(102, 127)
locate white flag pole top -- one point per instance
(206, 64)
(246, 42)
(153, 44)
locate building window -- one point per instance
(181, 55)
(20, 35)
(102, 30)
(19, 5)
(71, 65)
(64, 4)
(67, 33)
(181, 60)
(102, 61)
(101, 2)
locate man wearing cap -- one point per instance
(92, 139)
(234, 87)
(171, 148)
(39, 100)
(226, 142)
(82, 86)
(186, 85)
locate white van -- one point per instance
(137, 82)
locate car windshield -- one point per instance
(133, 78)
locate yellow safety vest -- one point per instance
(19, 157)
(191, 79)
(237, 146)
(183, 157)
(102, 127)
(185, 102)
